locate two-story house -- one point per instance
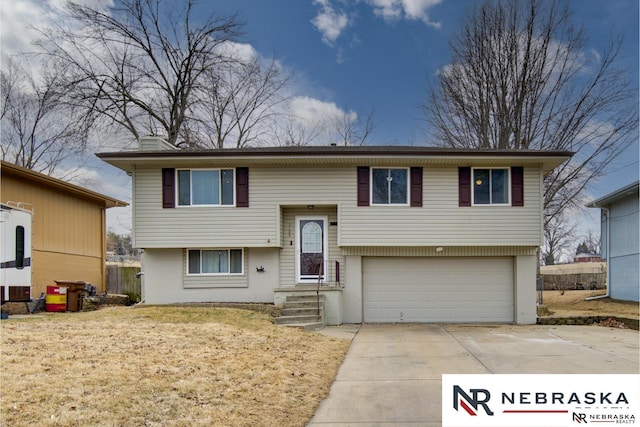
(393, 234)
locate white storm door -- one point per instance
(311, 247)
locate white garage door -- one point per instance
(477, 289)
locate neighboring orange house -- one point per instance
(69, 227)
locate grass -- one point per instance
(163, 366)
(573, 303)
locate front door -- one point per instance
(311, 247)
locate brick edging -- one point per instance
(587, 320)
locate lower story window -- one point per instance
(214, 261)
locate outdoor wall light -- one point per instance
(260, 269)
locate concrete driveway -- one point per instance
(392, 373)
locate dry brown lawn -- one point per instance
(163, 366)
(573, 303)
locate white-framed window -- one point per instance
(389, 186)
(206, 187)
(491, 186)
(214, 261)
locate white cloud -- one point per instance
(239, 51)
(311, 110)
(409, 9)
(387, 9)
(329, 22)
(316, 122)
(59, 5)
(18, 18)
(418, 9)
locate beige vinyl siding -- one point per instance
(200, 227)
(441, 222)
(255, 226)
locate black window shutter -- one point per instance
(416, 187)
(168, 188)
(464, 186)
(363, 185)
(242, 187)
(517, 186)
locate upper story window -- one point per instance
(205, 187)
(491, 186)
(389, 186)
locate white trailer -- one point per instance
(15, 253)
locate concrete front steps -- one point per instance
(301, 311)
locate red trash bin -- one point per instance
(56, 299)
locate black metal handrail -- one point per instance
(329, 274)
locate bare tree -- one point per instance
(241, 102)
(39, 129)
(589, 245)
(333, 126)
(559, 236)
(521, 78)
(351, 129)
(290, 131)
(140, 64)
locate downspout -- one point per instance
(607, 213)
(103, 242)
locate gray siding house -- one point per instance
(390, 234)
(620, 234)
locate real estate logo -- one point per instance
(467, 402)
(539, 400)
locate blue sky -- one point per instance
(357, 55)
(382, 63)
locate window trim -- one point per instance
(407, 190)
(191, 205)
(508, 181)
(187, 273)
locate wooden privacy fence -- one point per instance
(581, 281)
(123, 280)
(587, 275)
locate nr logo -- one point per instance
(579, 418)
(479, 397)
